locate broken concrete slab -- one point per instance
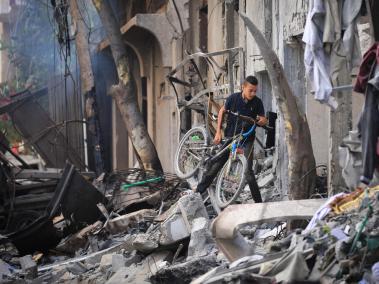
(201, 242)
(173, 230)
(224, 227)
(124, 222)
(178, 224)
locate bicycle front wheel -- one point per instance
(231, 181)
(190, 152)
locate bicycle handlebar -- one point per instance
(248, 119)
(243, 117)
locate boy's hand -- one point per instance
(217, 138)
(261, 120)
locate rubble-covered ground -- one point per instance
(150, 228)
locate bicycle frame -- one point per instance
(234, 144)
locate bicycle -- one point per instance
(195, 154)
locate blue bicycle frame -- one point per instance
(237, 144)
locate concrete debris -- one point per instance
(132, 257)
(77, 268)
(118, 261)
(266, 180)
(28, 266)
(178, 225)
(168, 237)
(185, 272)
(146, 242)
(106, 262)
(201, 242)
(5, 269)
(125, 222)
(76, 241)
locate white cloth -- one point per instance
(316, 60)
(326, 21)
(322, 212)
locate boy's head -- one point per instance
(249, 88)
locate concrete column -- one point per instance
(340, 122)
(229, 24)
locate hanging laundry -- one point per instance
(368, 126)
(332, 45)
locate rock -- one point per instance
(118, 261)
(268, 162)
(201, 242)
(5, 269)
(124, 222)
(120, 276)
(178, 224)
(266, 180)
(106, 262)
(76, 268)
(133, 258)
(174, 229)
(146, 242)
(140, 273)
(28, 266)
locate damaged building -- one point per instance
(90, 211)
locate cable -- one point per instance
(308, 172)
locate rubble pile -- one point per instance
(143, 227)
(339, 245)
(139, 226)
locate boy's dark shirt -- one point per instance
(236, 103)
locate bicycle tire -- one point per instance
(228, 187)
(184, 166)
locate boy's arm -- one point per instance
(220, 118)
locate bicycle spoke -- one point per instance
(230, 181)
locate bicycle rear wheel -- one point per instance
(190, 152)
(231, 181)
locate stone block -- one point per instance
(178, 224)
(28, 266)
(118, 261)
(201, 242)
(5, 269)
(106, 262)
(266, 180)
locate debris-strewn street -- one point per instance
(189, 141)
(149, 228)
